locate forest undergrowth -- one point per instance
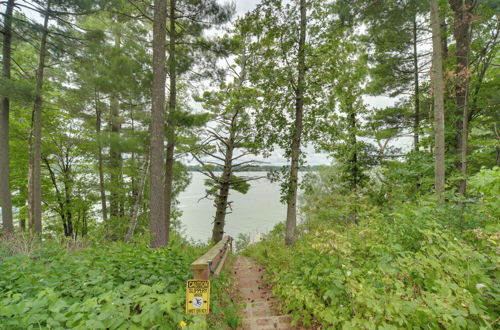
(60, 285)
(407, 263)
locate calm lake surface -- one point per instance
(255, 212)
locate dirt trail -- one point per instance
(259, 312)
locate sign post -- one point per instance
(198, 289)
(197, 297)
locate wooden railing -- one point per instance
(212, 262)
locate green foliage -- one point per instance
(103, 287)
(225, 314)
(242, 242)
(391, 35)
(328, 196)
(400, 178)
(486, 184)
(409, 265)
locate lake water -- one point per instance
(255, 212)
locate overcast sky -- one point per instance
(243, 6)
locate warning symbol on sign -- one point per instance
(198, 302)
(197, 297)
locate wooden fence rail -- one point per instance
(212, 262)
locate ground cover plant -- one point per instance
(418, 264)
(112, 286)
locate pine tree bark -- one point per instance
(137, 203)
(221, 201)
(291, 214)
(462, 10)
(5, 194)
(438, 86)
(102, 188)
(354, 162)
(157, 190)
(172, 104)
(115, 160)
(36, 183)
(416, 123)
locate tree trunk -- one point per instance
(115, 158)
(438, 86)
(461, 30)
(221, 204)
(291, 214)
(5, 196)
(134, 183)
(68, 203)
(172, 104)
(462, 184)
(169, 178)
(157, 190)
(63, 204)
(36, 183)
(102, 188)
(114, 166)
(353, 185)
(429, 118)
(137, 203)
(84, 223)
(221, 201)
(416, 124)
(354, 162)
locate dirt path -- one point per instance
(259, 312)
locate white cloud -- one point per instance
(244, 6)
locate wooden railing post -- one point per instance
(212, 262)
(202, 274)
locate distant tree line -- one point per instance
(255, 168)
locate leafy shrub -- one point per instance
(224, 311)
(486, 184)
(407, 267)
(328, 198)
(118, 286)
(242, 242)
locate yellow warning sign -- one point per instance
(197, 297)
